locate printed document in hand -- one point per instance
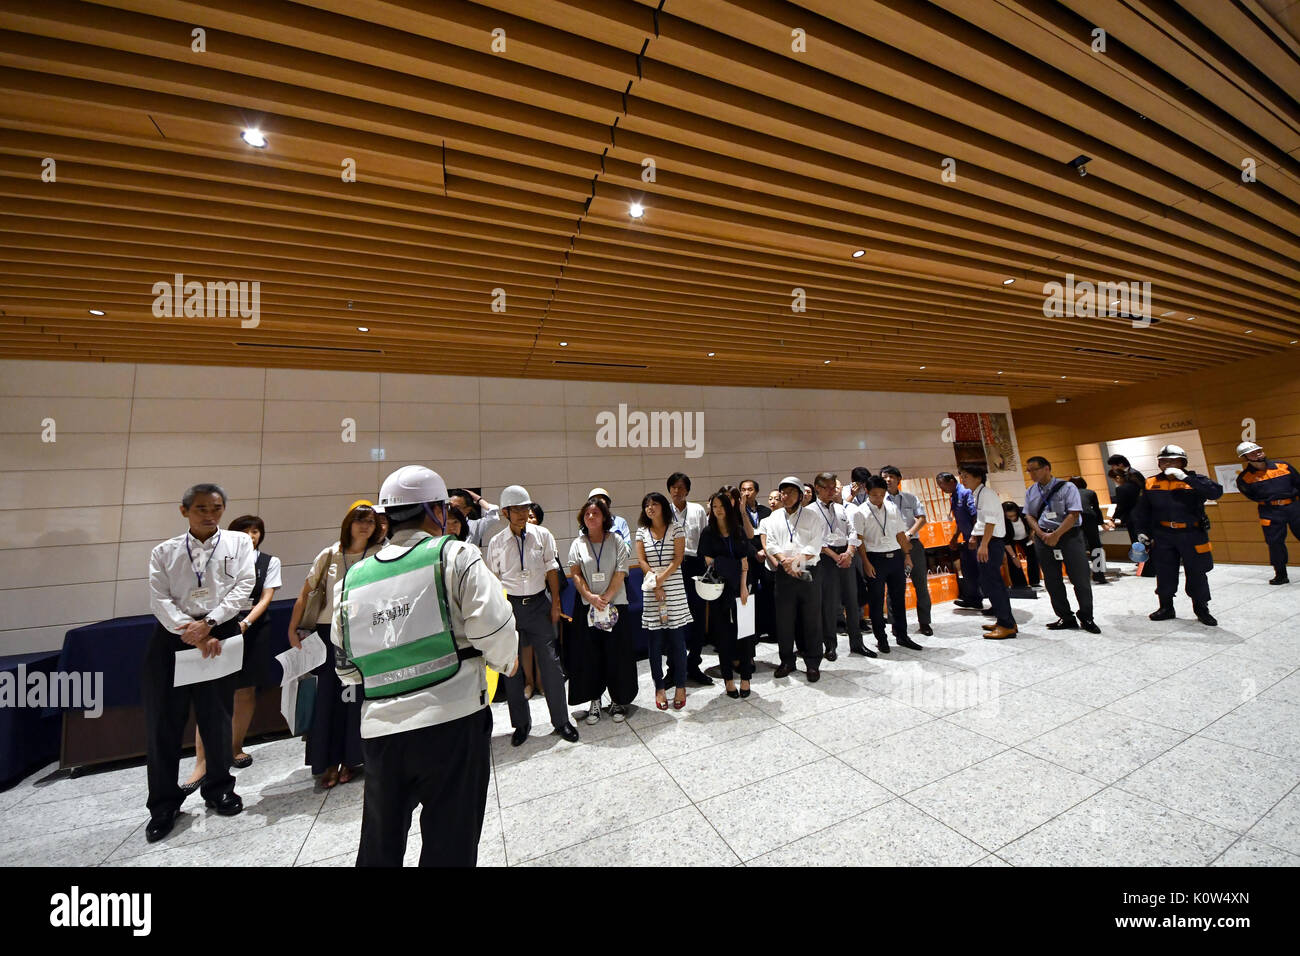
(191, 668)
(297, 661)
(745, 618)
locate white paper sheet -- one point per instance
(297, 661)
(289, 705)
(191, 668)
(745, 617)
(1226, 475)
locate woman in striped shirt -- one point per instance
(660, 548)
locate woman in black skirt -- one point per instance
(726, 547)
(600, 656)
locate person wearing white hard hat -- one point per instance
(1275, 486)
(1170, 519)
(792, 539)
(620, 527)
(413, 626)
(523, 556)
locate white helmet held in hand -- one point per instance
(514, 496)
(411, 485)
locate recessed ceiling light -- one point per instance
(1008, 281)
(1116, 381)
(1294, 341)
(922, 368)
(1248, 331)
(1061, 401)
(636, 210)
(827, 362)
(711, 354)
(859, 253)
(1062, 376)
(1191, 318)
(253, 137)
(363, 328)
(1170, 312)
(96, 311)
(564, 344)
(999, 373)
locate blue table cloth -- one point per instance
(29, 736)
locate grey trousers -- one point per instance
(533, 622)
(1077, 566)
(920, 584)
(839, 590)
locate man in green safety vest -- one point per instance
(413, 626)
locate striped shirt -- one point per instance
(659, 554)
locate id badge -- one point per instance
(1056, 553)
(199, 595)
(598, 577)
(1053, 516)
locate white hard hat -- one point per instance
(514, 495)
(1171, 451)
(789, 480)
(602, 492)
(1247, 448)
(707, 590)
(411, 485)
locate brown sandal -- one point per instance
(330, 778)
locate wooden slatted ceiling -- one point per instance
(480, 170)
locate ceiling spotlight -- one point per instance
(1061, 401)
(1170, 312)
(253, 137)
(1294, 341)
(96, 311)
(363, 328)
(1008, 281)
(711, 354)
(1248, 331)
(1080, 164)
(1191, 318)
(1116, 381)
(999, 373)
(922, 368)
(636, 210)
(1062, 376)
(827, 362)
(859, 253)
(564, 345)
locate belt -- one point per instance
(1180, 525)
(526, 598)
(838, 548)
(883, 554)
(1279, 502)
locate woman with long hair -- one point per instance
(725, 547)
(660, 549)
(334, 741)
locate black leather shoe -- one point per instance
(239, 763)
(882, 646)
(961, 602)
(1280, 579)
(988, 612)
(862, 651)
(832, 655)
(1099, 578)
(569, 733)
(1205, 617)
(734, 694)
(908, 643)
(227, 805)
(781, 671)
(927, 630)
(1064, 624)
(744, 692)
(1161, 614)
(699, 678)
(519, 736)
(1089, 625)
(814, 675)
(160, 826)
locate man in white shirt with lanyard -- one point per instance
(886, 562)
(692, 517)
(792, 538)
(837, 571)
(991, 531)
(914, 518)
(413, 625)
(523, 556)
(198, 582)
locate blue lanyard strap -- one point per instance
(659, 545)
(883, 522)
(197, 574)
(523, 538)
(830, 523)
(797, 515)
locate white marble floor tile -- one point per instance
(1179, 704)
(858, 724)
(919, 755)
(1263, 724)
(706, 773)
(570, 766)
(892, 834)
(1280, 827)
(991, 860)
(1103, 745)
(1096, 684)
(1114, 828)
(676, 839)
(1248, 852)
(85, 846)
(1221, 784)
(1287, 689)
(781, 809)
(276, 845)
(805, 700)
(670, 734)
(112, 806)
(1018, 716)
(1001, 798)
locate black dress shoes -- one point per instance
(734, 694)
(862, 651)
(699, 678)
(1161, 614)
(744, 692)
(883, 646)
(160, 826)
(927, 630)
(1089, 625)
(519, 736)
(1280, 579)
(1064, 624)
(781, 671)
(569, 733)
(961, 602)
(832, 655)
(908, 643)
(814, 675)
(227, 805)
(1205, 617)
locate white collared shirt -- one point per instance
(909, 506)
(836, 524)
(222, 566)
(988, 510)
(799, 533)
(692, 519)
(273, 580)
(525, 577)
(879, 528)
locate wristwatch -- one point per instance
(209, 622)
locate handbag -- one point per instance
(318, 597)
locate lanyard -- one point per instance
(597, 553)
(658, 545)
(883, 522)
(830, 523)
(523, 538)
(797, 515)
(199, 574)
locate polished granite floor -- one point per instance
(1151, 744)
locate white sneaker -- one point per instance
(618, 712)
(593, 715)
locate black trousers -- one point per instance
(763, 588)
(167, 708)
(969, 587)
(444, 769)
(839, 591)
(599, 661)
(335, 734)
(993, 587)
(722, 635)
(801, 601)
(891, 579)
(1191, 548)
(1017, 573)
(1275, 520)
(692, 565)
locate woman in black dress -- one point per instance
(726, 548)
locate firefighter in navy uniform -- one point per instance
(1276, 486)
(1170, 518)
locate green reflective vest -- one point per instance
(396, 628)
